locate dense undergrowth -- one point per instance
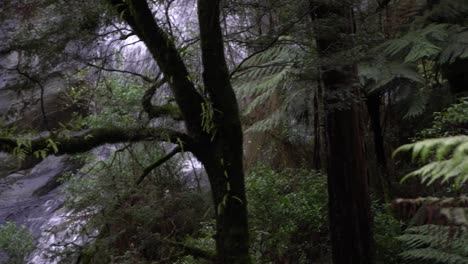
(142, 223)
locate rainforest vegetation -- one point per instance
(245, 131)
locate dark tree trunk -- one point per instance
(349, 201)
(373, 108)
(223, 164)
(224, 159)
(381, 182)
(213, 123)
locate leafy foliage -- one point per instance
(454, 11)
(452, 121)
(16, 241)
(380, 74)
(449, 155)
(266, 83)
(284, 207)
(133, 221)
(418, 45)
(457, 47)
(386, 229)
(435, 244)
(118, 104)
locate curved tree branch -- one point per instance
(143, 77)
(155, 111)
(86, 140)
(158, 163)
(139, 16)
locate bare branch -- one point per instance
(158, 163)
(38, 83)
(145, 78)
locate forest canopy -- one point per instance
(241, 131)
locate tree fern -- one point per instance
(263, 71)
(377, 76)
(417, 107)
(403, 79)
(435, 244)
(439, 34)
(267, 86)
(447, 159)
(418, 44)
(454, 11)
(457, 47)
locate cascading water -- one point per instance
(31, 196)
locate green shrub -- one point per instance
(134, 220)
(386, 230)
(288, 215)
(450, 122)
(16, 241)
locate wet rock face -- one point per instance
(36, 68)
(32, 197)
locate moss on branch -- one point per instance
(86, 140)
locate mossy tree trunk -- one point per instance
(212, 120)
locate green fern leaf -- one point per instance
(449, 159)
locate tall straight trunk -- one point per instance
(373, 107)
(382, 183)
(349, 202)
(320, 142)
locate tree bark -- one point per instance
(224, 159)
(382, 183)
(349, 201)
(212, 120)
(373, 107)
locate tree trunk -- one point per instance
(373, 107)
(349, 201)
(382, 181)
(223, 164)
(212, 121)
(223, 159)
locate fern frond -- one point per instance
(422, 50)
(379, 75)
(417, 105)
(449, 159)
(435, 244)
(453, 11)
(417, 45)
(271, 122)
(265, 81)
(259, 101)
(255, 87)
(457, 47)
(433, 256)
